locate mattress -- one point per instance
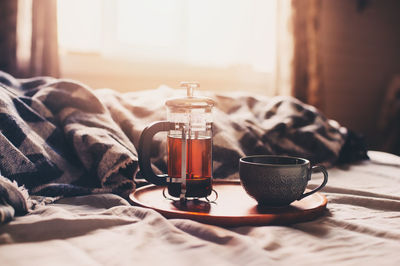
(361, 226)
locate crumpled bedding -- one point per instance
(360, 227)
(61, 138)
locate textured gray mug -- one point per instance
(277, 180)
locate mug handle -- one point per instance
(144, 152)
(314, 169)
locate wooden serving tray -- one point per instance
(232, 208)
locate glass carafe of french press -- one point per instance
(189, 146)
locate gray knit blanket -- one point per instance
(61, 138)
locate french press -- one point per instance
(189, 146)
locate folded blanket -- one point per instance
(61, 138)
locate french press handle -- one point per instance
(146, 138)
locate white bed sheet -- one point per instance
(360, 227)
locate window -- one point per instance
(135, 44)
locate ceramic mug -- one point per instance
(277, 180)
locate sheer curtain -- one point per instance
(44, 44)
(306, 67)
(28, 38)
(284, 48)
(298, 67)
(8, 24)
(225, 45)
(30, 46)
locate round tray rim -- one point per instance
(232, 221)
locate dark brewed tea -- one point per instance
(198, 166)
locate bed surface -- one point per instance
(360, 227)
